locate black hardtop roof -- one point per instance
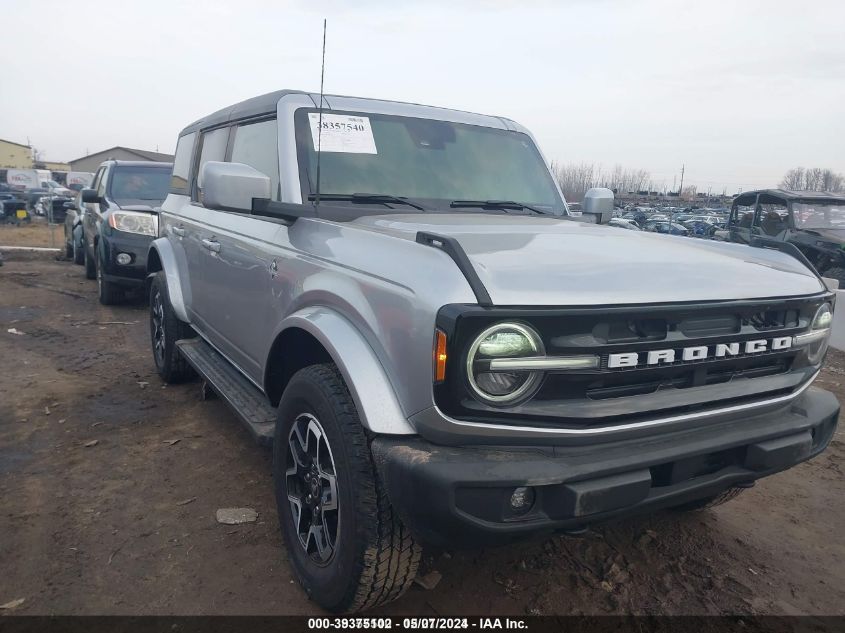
(263, 104)
(135, 163)
(775, 196)
(266, 104)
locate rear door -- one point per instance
(93, 214)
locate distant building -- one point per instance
(92, 161)
(15, 155)
(51, 165)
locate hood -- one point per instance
(150, 206)
(525, 261)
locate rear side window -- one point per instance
(256, 145)
(213, 148)
(182, 164)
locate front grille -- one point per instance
(613, 394)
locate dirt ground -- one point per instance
(36, 233)
(109, 483)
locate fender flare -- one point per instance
(377, 404)
(162, 250)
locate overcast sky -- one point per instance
(739, 91)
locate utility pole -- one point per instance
(681, 190)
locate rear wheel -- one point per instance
(90, 264)
(78, 252)
(349, 549)
(165, 330)
(709, 502)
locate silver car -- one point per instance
(397, 299)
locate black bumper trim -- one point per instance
(461, 495)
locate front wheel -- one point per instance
(108, 292)
(349, 549)
(165, 330)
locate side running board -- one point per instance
(244, 398)
(453, 249)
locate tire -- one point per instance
(109, 293)
(368, 556)
(78, 253)
(90, 264)
(709, 502)
(170, 364)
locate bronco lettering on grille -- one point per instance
(697, 352)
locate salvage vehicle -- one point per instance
(812, 221)
(668, 228)
(13, 209)
(74, 237)
(120, 222)
(396, 298)
(622, 223)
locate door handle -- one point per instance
(178, 232)
(212, 245)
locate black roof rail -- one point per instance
(758, 241)
(453, 249)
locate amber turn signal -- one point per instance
(439, 356)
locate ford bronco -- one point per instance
(398, 300)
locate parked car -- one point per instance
(622, 223)
(74, 234)
(433, 368)
(13, 209)
(812, 221)
(669, 228)
(700, 228)
(119, 223)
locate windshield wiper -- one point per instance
(495, 204)
(366, 198)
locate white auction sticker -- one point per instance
(342, 133)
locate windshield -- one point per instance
(432, 162)
(140, 183)
(809, 215)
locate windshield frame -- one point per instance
(799, 225)
(116, 168)
(302, 138)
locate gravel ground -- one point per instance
(110, 483)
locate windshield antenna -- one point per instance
(320, 120)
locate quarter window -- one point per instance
(182, 164)
(256, 145)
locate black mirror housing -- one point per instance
(89, 195)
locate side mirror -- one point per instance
(597, 206)
(69, 205)
(232, 186)
(89, 195)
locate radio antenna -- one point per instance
(320, 118)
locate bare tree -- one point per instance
(576, 178)
(813, 179)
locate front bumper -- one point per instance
(461, 495)
(136, 246)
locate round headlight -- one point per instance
(504, 340)
(817, 347)
(823, 318)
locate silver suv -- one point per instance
(398, 300)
